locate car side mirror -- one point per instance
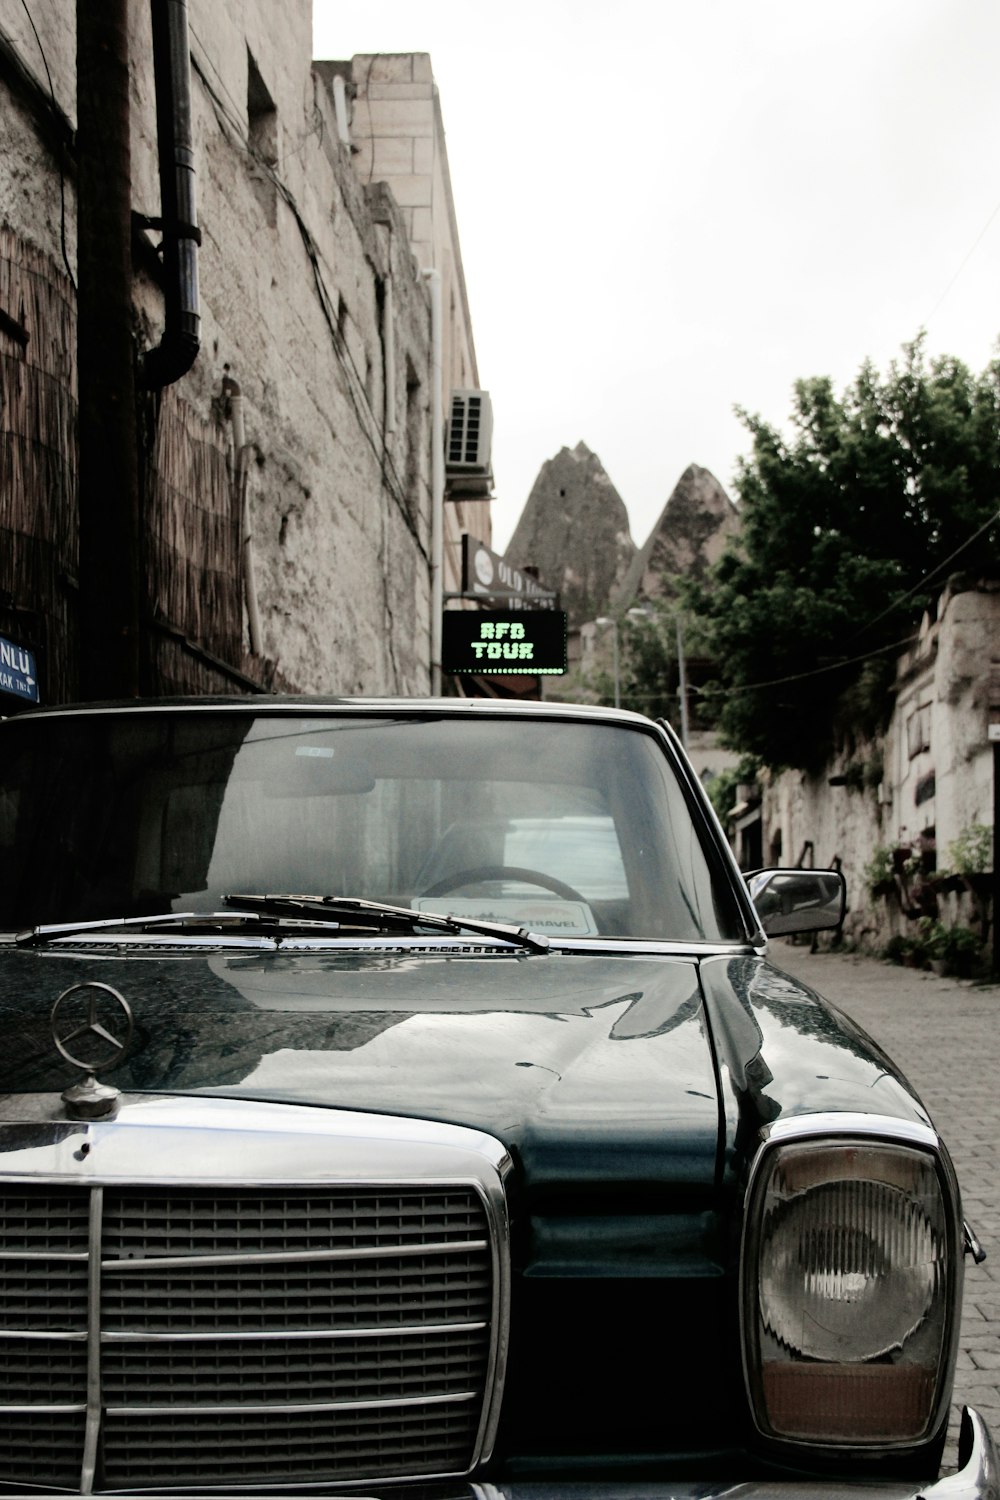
(798, 900)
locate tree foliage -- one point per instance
(649, 640)
(650, 671)
(850, 527)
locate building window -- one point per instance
(414, 440)
(925, 789)
(918, 731)
(262, 138)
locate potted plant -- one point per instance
(961, 951)
(878, 872)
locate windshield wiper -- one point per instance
(354, 912)
(276, 914)
(192, 922)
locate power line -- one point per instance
(927, 577)
(835, 666)
(965, 260)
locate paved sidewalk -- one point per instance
(945, 1036)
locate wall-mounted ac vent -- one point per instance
(469, 441)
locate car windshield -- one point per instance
(570, 828)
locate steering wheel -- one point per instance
(504, 872)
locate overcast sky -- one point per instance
(670, 208)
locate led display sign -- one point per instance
(522, 641)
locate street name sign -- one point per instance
(17, 671)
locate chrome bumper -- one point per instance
(976, 1478)
(978, 1472)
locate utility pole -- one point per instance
(993, 739)
(108, 473)
(996, 861)
(603, 620)
(682, 687)
(433, 277)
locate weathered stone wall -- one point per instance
(29, 176)
(398, 134)
(938, 760)
(293, 268)
(917, 789)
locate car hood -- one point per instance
(591, 1069)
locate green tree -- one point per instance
(850, 526)
(650, 675)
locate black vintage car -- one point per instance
(396, 1096)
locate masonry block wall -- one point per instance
(397, 132)
(301, 239)
(919, 787)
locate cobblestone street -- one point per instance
(944, 1035)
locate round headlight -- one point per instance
(851, 1270)
(850, 1282)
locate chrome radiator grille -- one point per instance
(246, 1336)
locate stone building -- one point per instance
(286, 480)
(891, 812)
(397, 137)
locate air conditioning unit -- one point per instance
(467, 455)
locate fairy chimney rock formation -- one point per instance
(574, 530)
(689, 537)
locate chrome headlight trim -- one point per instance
(843, 1128)
(847, 1122)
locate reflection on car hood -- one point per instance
(590, 1069)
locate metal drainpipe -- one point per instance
(179, 345)
(340, 110)
(110, 551)
(390, 351)
(437, 481)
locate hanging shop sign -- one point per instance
(515, 641)
(486, 575)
